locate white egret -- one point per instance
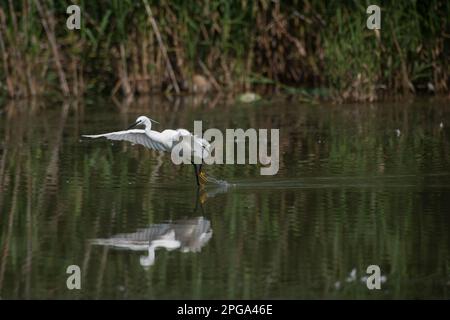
(197, 149)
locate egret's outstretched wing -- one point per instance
(134, 136)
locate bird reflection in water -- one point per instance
(187, 235)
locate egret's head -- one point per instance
(142, 120)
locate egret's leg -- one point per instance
(196, 173)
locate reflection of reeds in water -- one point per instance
(57, 192)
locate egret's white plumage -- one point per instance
(196, 148)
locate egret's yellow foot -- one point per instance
(203, 179)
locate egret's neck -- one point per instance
(148, 126)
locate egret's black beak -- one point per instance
(133, 125)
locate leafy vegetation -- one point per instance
(138, 47)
